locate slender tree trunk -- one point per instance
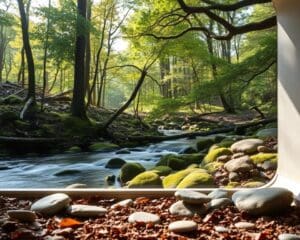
(27, 47)
(78, 105)
(88, 50)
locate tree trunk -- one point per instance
(29, 57)
(78, 104)
(88, 50)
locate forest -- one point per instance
(182, 83)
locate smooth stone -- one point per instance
(263, 201)
(264, 149)
(123, 203)
(192, 197)
(234, 177)
(267, 132)
(77, 185)
(184, 209)
(269, 165)
(219, 203)
(144, 217)
(51, 204)
(245, 225)
(242, 164)
(115, 163)
(22, 215)
(223, 158)
(237, 155)
(221, 229)
(288, 236)
(246, 145)
(86, 211)
(183, 226)
(218, 193)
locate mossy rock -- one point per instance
(22, 125)
(13, 99)
(74, 149)
(197, 179)
(214, 154)
(179, 162)
(147, 179)
(254, 184)
(103, 147)
(194, 165)
(231, 185)
(204, 143)
(7, 117)
(267, 132)
(213, 166)
(74, 126)
(129, 171)
(115, 163)
(172, 180)
(263, 157)
(162, 170)
(226, 143)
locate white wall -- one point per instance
(289, 91)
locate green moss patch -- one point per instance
(162, 170)
(214, 154)
(197, 179)
(263, 157)
(129, 171)
(146, 179)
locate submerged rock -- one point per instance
(129, 171)
(115, 163)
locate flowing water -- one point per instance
(87, 168)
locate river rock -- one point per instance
(242, 164)
(218, 193)
(22, 215)
(144, 217)
(86, 211)
(237, 155)
(123, 151)
(51, 204)
(183, 226)
(115, 163)
(192, 197)
(234, 177)
(223, 158)
(123, 203)
(77, 185)
(188, 150)
(184, 209)
(288, 236)
(245, 225)
(264, 149)
(263, 201)
(246, 146)
(219, 203)
(268, 132)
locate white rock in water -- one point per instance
(124, 203)
(144, 217)
(77, 185)
(183, 226)
(247, 145)
(263, 201)
(51, 204)
(22, 215)
(86, 211)
(192, 197)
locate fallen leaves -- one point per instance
(69, 222)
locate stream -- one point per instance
(87, 168)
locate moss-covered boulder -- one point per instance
(13, 99)
(115, 163)
(147, 179)
(267, 132)
(253, 184)
(179, 162)
(263, 157)
(226, 143)
(162, 170)
(172, 180)
(213, 166)
(103, 147)
(205, 143)
(197, 179)
(214, 154)
(74, 149)
(129, 171)
(231, 185)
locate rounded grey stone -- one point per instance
(192, 197)
(123, 203)
(183, 226)
(184, 209)
(218, 193)
(221, 229)
(22, 215)
(219, 203)
(242, 164)
(144, 217)
(86, 211)
(263, 201)
(51, 204)
(246, 145)
(288, 236)
(245, 225)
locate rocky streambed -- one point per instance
(270, 213)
